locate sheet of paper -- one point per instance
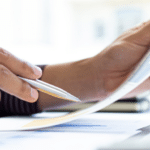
(87, 133)
(99, 122)
(90, 123)
(41, 140)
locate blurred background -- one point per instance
(57, 31)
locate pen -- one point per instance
(51, 90)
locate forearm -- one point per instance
(83, 79)
(78, 78)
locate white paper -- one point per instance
(87, 133)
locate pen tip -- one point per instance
(73, 98)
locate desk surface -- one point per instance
(90, 132)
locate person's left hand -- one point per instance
(117, 61)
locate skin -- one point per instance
(10, 68)
(95, 78)
(91, 79)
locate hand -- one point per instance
(97, 77)
(10, 67)
(117, 61)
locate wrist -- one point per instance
(79, 78)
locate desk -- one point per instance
(90, 132)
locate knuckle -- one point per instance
(146, 23)
(27, 67)
(24, 92)
(4, 53)
(24, 88)
(4, 73)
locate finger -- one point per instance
(19, 67)
(13, 85)
(139, 35)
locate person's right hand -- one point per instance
(10, 68)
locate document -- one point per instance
(87, 133)
(96, 122)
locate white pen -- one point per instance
(51, 90)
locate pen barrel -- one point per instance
(51, 90)
(44, 88)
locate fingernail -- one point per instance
(34, 94)
(37, 71)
